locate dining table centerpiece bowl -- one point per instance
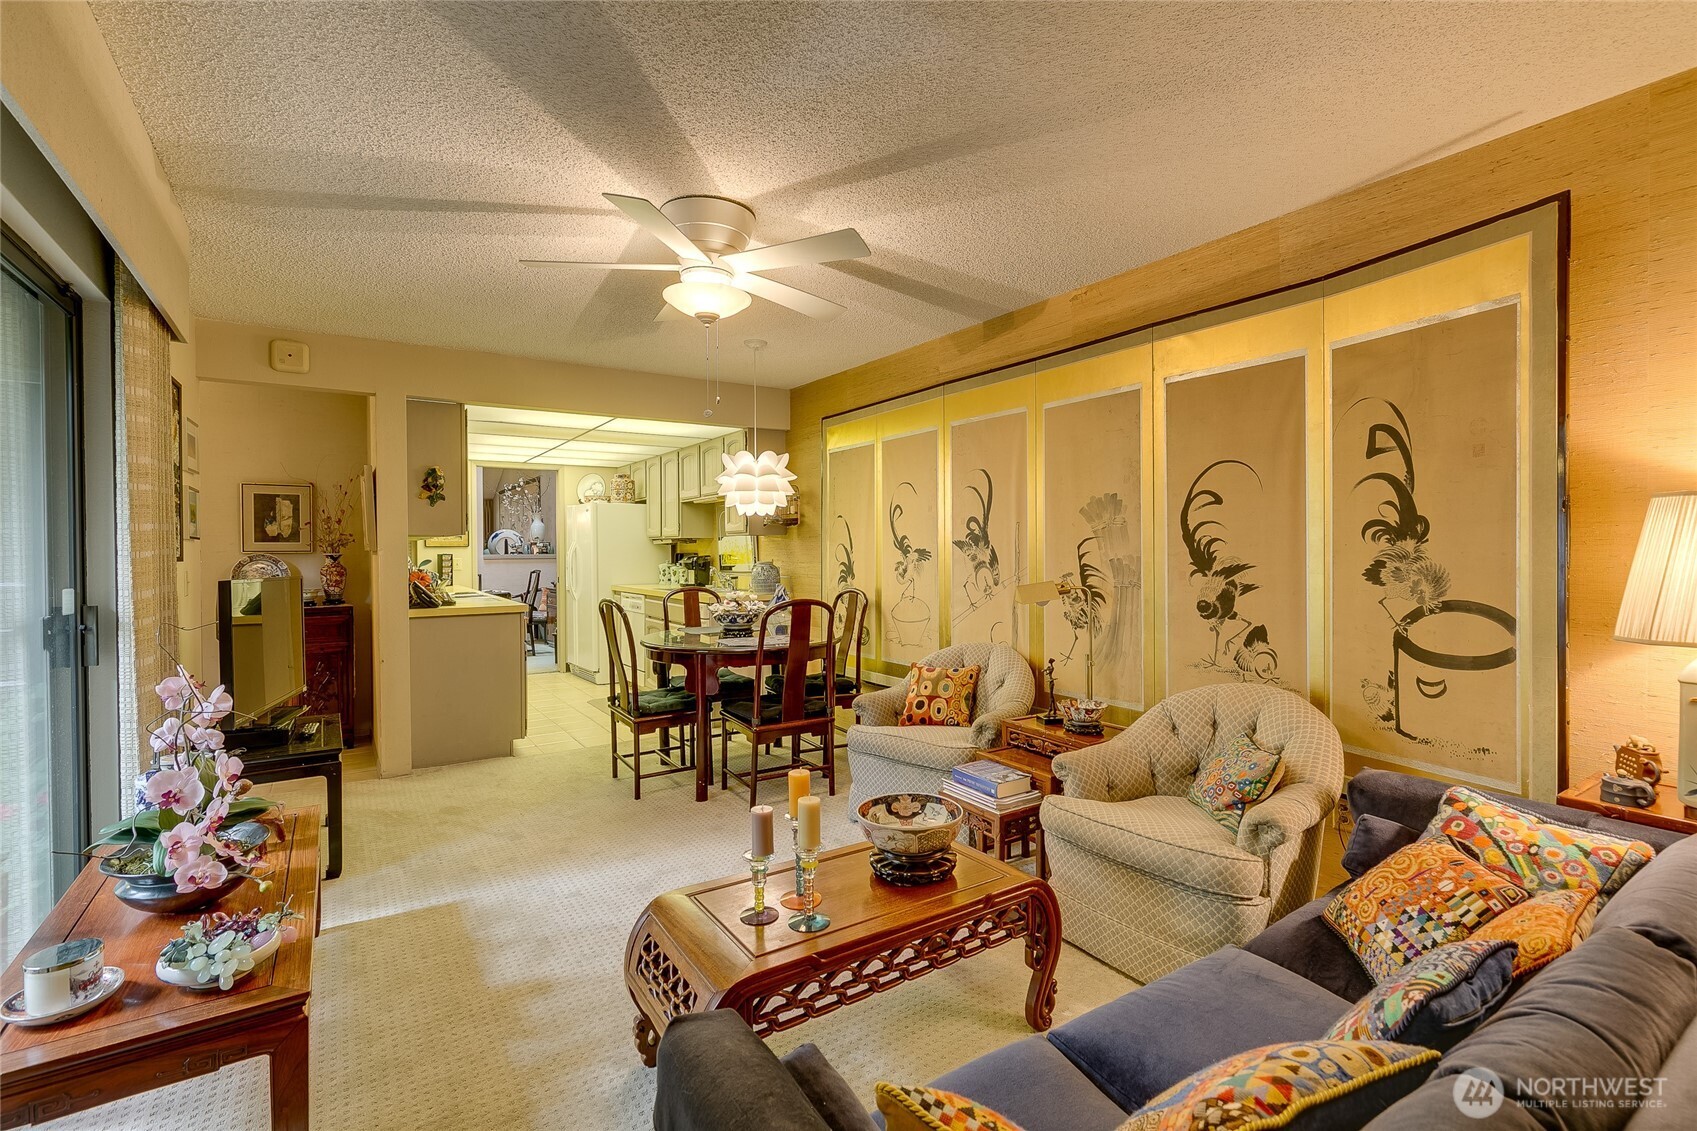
(736, 613)
(912, 835)
(193, 838)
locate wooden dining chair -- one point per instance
(532, 592)
(664, 709)
(848, 615)
(791, 712)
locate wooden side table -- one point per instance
(997, 833)
(1029, 732)
(151, 1034)
(1667, 812)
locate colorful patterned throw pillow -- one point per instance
(1537, 853)
(1270, 1086)
(1545, 927)
(1416, 900)
(939, 697)
(1231, 781)
(928, 1109)
(1438, 998)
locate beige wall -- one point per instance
(389, 372)
(260, 434)
(1630, 165)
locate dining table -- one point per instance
(701, 652)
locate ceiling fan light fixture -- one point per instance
(756, 485)
(706, 302)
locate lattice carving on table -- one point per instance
(830, 990)
(664, 982)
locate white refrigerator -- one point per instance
(606, 545)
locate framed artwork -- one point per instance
(191, 447)
(1236, 533)
(277, 517)
(909, 558)
(191, 511)
(1092, 537)
(177, 459)
(851, 530)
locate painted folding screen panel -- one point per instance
(988, 528)
(851, 532)
(909, 557)
(1092, 536)
(1236, 528)
(1424, 569)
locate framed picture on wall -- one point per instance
(276, 517)
(191, 512)
(191, 447)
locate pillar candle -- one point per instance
(801, 783)
(807, 820)
(760, 818)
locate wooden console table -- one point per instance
(152, 1034)
(689, 952)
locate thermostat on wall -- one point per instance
(289, 357)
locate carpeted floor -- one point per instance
(469, 973)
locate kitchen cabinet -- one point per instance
(708, 456)
(638, 473)
(436, 437)
(651, 493)
(671, 501)
(689, 473)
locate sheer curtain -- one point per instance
(26, 735)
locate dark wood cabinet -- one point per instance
(330, 683)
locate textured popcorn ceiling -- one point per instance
(379, 169)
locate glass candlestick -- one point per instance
(808, 919)
(758, 915)
(793, 900)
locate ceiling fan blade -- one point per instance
(650, 219)
(600, 266)
(844, 243)
(670, 313)
(785, 295)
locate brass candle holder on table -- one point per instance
(808, 920)
(759, 915)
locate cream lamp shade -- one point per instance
(1037, 593)
(1660, 605)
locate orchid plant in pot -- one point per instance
(191, 840)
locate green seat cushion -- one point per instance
(771, 712)
(734, 685)
(664, 701)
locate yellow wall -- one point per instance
(1630, 165)
(258, 434)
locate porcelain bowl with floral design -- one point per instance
(910, 824)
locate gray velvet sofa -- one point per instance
(1619, 1006)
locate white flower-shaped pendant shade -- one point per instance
(756, 485)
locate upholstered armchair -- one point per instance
(886, 758)
(1147, 880)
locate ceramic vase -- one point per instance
(763, 578)
(333, 576)
(624, 488)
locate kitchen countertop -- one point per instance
(471, 603)
(647, 590)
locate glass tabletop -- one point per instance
(697, 640)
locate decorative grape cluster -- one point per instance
(219, 947)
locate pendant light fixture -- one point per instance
(756, 485)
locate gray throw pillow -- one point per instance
(827, 1091)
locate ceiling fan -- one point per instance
(716, 267)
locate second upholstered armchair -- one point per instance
(886, 758)
(1147, 880)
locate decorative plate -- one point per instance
(505, 542)
(591, 488)
(259, 566)
(111, 981)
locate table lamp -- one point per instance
(1041, 593)
(1660, 607)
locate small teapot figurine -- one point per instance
(1637, 769)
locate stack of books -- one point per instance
(991, 785)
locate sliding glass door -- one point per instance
(43, 782)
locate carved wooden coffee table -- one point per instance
(690, 953)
